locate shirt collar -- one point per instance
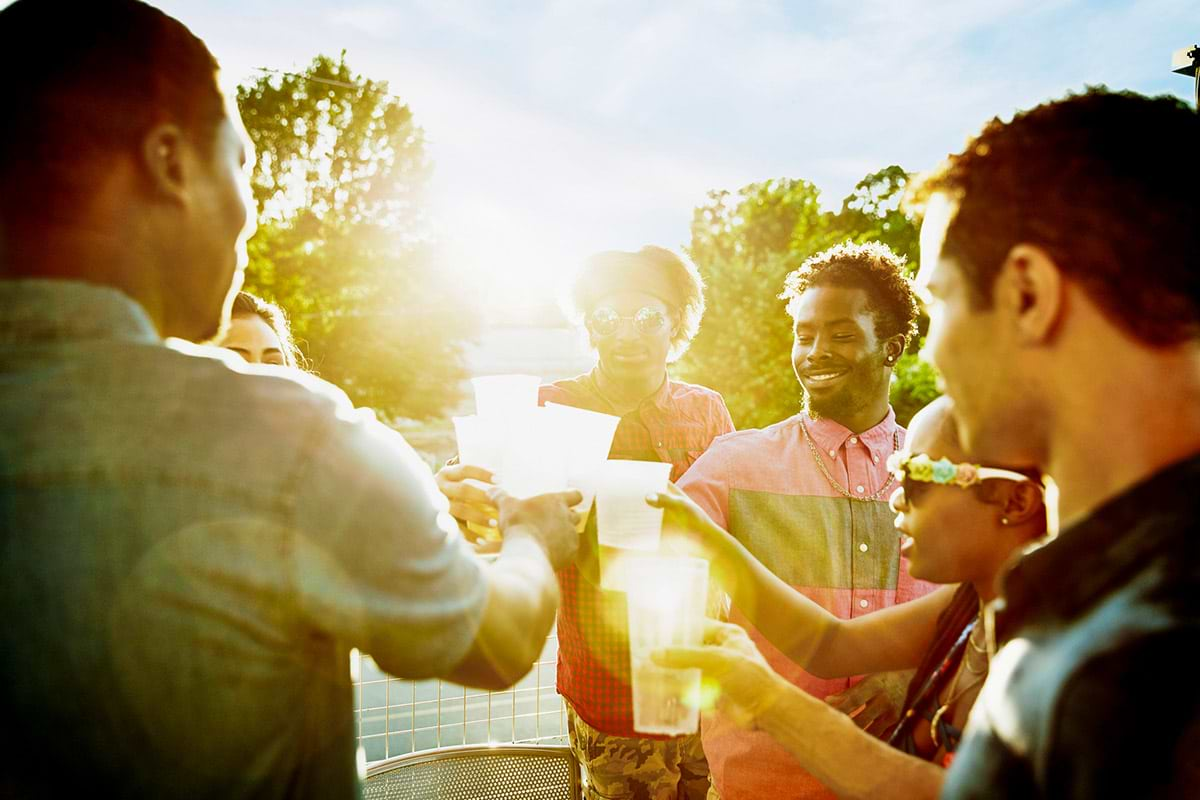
(53, 310)
(661, 399)
(1149, 522)
(831, 436)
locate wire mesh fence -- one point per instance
(394, 717)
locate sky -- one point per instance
(560, 128)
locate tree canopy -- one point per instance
(343, 243)
(745, 244)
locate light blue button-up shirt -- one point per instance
(190, 545)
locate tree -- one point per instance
(342, 245)
(744, 245)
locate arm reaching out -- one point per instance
(892, 639)
(823, 740)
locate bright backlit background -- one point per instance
(560, 128)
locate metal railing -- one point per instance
(394, 717)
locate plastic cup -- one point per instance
(502, 396)
(626, 526)
(535, 461)
(666, 599)
(587, 437)
(482, 442)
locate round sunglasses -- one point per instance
(604, 322)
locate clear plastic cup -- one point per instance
(482, 442)
(501, 396)
(624, 518)
(666, 599)
(626, 526)
(535, 460)
(587, 437)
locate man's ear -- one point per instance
(893, 348)
(1030, 289)
(165, 163)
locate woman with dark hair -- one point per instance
(258, 331)
(961, 524)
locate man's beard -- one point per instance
(842, 405)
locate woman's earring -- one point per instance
(1004, 520)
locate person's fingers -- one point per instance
(469, 512)
(572, 497)
(462, 472)
(668, 501)
(708, 659)
(488, 546)
(724, 633)
(468, 491)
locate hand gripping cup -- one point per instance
(666, 598)
(627, 527)
(482, 442)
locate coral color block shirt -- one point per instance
(765, 488)
(674, 425)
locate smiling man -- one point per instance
(809, 496)
(1061, 252)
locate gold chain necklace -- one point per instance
(841, 489)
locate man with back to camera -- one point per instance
(640, 309)
(193, 544)
(1061, 255)
(809, 496)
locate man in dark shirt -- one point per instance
(1062, 258)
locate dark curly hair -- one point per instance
(872, 267)
(1107, 183)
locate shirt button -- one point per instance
(875, 459)
(863, 548)
(862, 603)
(660, 444)
(833, 453)
(853, 440)
(859, 489)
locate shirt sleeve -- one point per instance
(377, 560)
(722, 421)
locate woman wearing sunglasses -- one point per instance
(960, 524)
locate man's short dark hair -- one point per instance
(872, 267)
(1108, 184)
(94, 77)
(653, 270)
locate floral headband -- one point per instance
(922, 468)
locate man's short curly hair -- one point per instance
(653, 270)
(1107, 183)
(872, 267)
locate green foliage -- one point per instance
(341, 245)
(744, 245)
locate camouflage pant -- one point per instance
(616, 768)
